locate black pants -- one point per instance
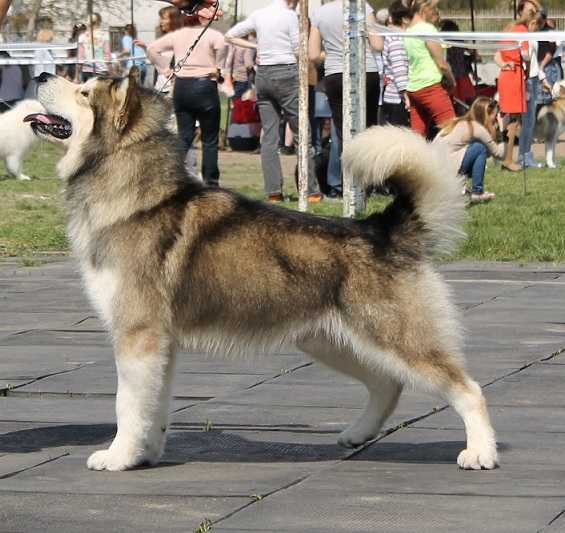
(196, 99)
(334, 91)
(395, 114)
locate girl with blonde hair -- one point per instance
(470, 140)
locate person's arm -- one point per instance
(241, 29)
(436, 51)
(155, 53)
(503, 65)
(314, 45)
(220, 50)
(4, 6)
(480, 133)
(377, 42)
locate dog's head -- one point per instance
(558, 90)
(111, 112)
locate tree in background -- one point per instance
(28, 17)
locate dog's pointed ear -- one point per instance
(127, 99)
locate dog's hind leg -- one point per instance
(384, 391)
(14, 167)
(432, 363)
(440, 372)
(145, 361)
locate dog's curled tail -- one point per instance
(428, 203)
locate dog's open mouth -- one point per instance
(50, 125)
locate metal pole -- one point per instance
(132, 51)
(229, 100)
(354, 94)
(90, 17)
(475, 75)
(303, 123)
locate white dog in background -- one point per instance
(16, 136)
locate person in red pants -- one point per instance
(430, 103)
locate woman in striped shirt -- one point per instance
(395, 108)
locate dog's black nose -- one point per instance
(43, 77)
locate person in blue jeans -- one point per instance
(470, 140)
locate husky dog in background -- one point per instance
(168, 262)
(17, 137)
(551, 122)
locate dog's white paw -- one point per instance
(355, 437)
(115, 460)
(23, 177)
(476, 459)
(551, 165)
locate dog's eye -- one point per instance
(84, 93)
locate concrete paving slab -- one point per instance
(66, 409)
(422, 460)
(558, 526)
(57, 337)
(319, 507)
(31, 362)
(101, 512)
(265, 417)
(195, 463)
(102, 380)
(10, 321)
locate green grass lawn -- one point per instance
(514, 227)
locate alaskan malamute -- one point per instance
(168, 262)
(550, 123)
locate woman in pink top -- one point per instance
(195, 93)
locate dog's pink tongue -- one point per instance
(39, 117)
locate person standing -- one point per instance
(94, 49)
(238, 66)
(195, 93)
(396, 107)
(276, 81)
(511, 80)
(130, 48)
(327, 30)
(430, 104)
(540, 56)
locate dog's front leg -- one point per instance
(144, 360)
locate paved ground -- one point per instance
(252, 443)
